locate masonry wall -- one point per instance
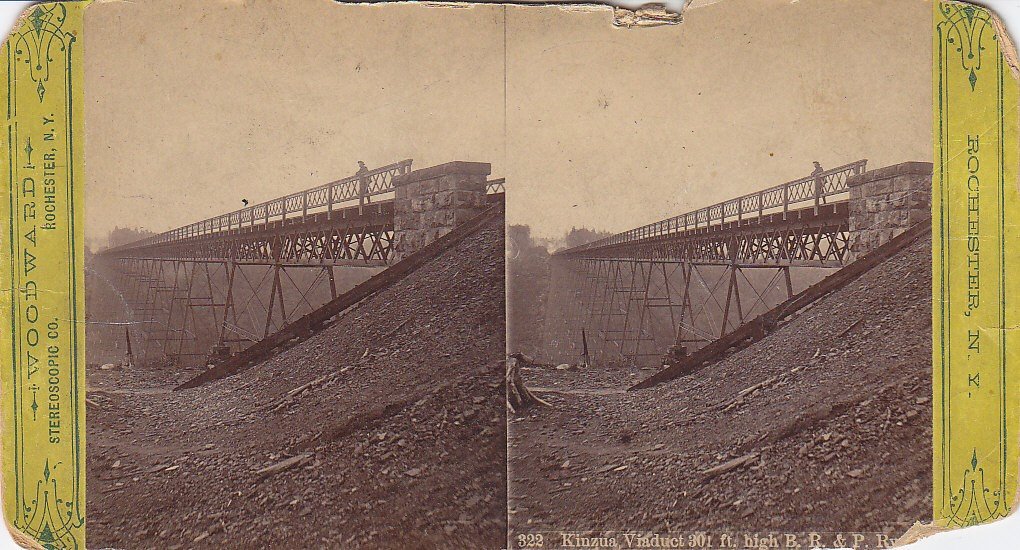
(887, 201)
(430, 202)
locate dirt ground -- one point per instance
(398, 442)
(831, 415)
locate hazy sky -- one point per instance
(192, 106)
(633, 126)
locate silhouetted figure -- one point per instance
(819, 183)
(363, 181)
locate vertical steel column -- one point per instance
(228, 304)
(272, 298)
(686, 270)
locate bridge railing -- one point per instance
(814, 188)
(327, 196)
(495, 186)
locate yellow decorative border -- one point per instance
(975, 344)
(42, 292)
(976, 277)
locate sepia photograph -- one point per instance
(295, 276)
(477, 276)
(719, 277)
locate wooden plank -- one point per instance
(284, 465)
(730, 465)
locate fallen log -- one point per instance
(849, 328)
(757, 386)
(730, 465)
(284, 465)
(289, 396)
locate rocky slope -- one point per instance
(385, 430)
(825, 425)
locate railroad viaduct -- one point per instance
(210, 289)
(666, 290)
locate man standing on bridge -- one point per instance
(819, 185)
(363, 181)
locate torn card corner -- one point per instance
(648, 15)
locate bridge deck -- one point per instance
(771, 226)
(806, 237)
(353, 236)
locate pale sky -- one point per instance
(192, 106)
(634, 126)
